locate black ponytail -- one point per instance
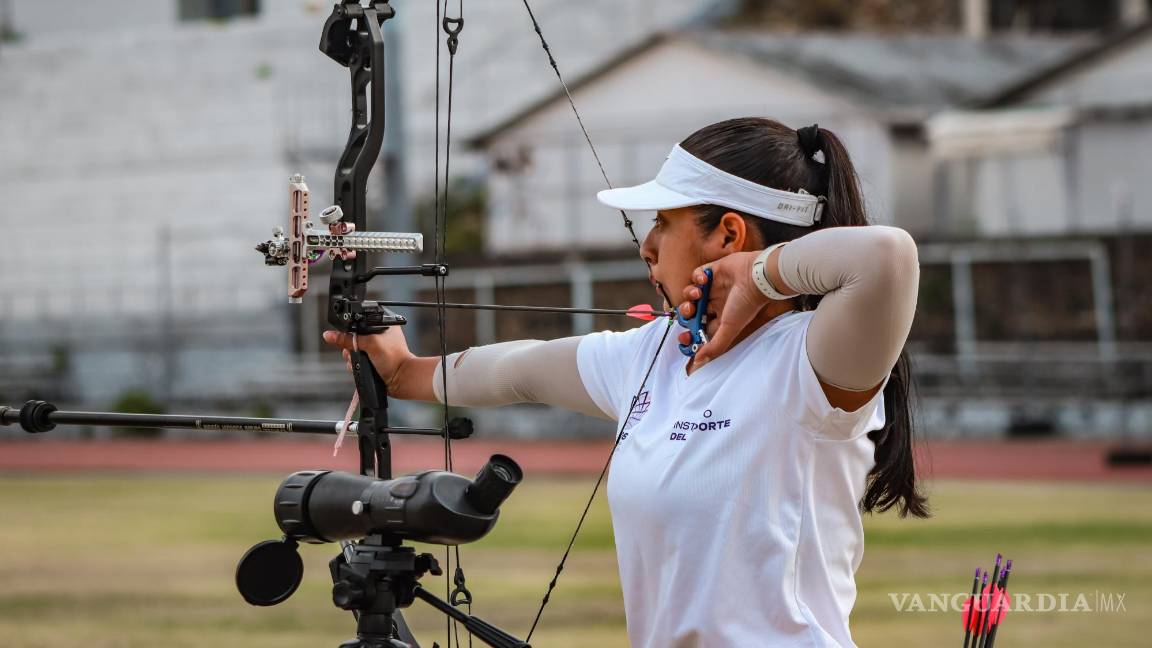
(774, 155)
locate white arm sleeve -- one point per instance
(869, 277)
(523, 371)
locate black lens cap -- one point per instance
(269, 572)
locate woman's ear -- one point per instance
(734, 230)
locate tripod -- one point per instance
(377, 576)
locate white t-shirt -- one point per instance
(734, 491)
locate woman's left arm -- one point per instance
(869, 277)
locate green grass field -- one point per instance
(123, 562)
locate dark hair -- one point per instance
(772, 154)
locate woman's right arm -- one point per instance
(523, 371)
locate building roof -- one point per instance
(1085, 58)
(904, 76)
(899, 71)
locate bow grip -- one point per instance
(696, 325)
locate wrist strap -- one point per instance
(761, 280)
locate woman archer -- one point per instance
(737, 492)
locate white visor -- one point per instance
(686, 180)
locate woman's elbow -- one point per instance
(897, 250)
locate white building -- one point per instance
(1082, 127)
(875, 91)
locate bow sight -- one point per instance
(375, 576)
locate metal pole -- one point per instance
(963, 312)
(572, 196)
(940, 181)
(580, 282)
(485, 293)
(165, 336)
(1102, 303)
(395, 158)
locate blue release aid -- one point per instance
(696, 326)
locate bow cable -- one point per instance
(459, 595)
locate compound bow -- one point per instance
(348, 311)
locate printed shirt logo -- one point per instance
(639, 408)
(681, 428)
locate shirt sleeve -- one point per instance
(609, 364)
(869, 278)
(804, 399)
(520, 371)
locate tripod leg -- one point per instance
(403, 633)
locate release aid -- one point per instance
(699, 322)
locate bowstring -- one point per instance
(588, 138)
(440, 211)
(599, 480)
(669, 304)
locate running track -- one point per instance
(1015, 460)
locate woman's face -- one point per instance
(676, 246)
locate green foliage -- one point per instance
(261, 409)
(61, 358)
(927, 15)
(466, 210)
(935, 291)
(138, 401)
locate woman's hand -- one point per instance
(733, 303)
(389, 354)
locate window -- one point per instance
(217, 9)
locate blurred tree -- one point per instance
(8, 33)
(261, 408)
(850, 14)
(927, 15)
(138, 401)
(465, 212)
(61, 358)
(1054, 15)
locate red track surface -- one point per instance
(1019, 460)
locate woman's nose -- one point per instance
(648, 250)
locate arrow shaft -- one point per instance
(528, 309)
